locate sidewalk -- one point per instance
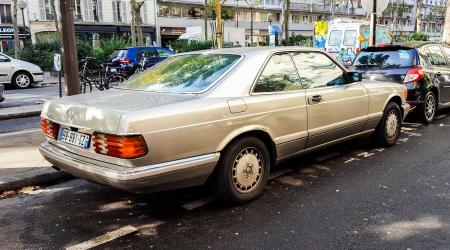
(21, 163)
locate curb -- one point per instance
(21, 113)
(38, 180)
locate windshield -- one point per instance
(121, 53)
(183, 73)
(384, 59)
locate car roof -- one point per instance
(399, 46)
(255, 50)
(141, 47)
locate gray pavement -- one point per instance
(351, 196)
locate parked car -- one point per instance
(227, 115)
(19, 73)
(424, 70)
(132, 56)
(2, 92)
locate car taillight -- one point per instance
(413, 75)
(49, 128)
(127, 147)
(124, 60)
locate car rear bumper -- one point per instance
(182, 173)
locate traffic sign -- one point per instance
(367, 5)
(57, 62)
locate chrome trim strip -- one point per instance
(64, 158)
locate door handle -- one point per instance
(315, 99)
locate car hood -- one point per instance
(103, 110)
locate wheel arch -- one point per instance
(253, 131)
(396, 99)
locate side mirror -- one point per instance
(353, 77)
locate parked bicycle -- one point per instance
(100, 76)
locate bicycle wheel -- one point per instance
(114, 80)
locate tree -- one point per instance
(446, 34)
(418, 25)
(286, 15)
(16, 30)
(136, 22)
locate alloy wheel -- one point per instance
(430, 107)
(247, 170)
(23, 81)
(392, 123)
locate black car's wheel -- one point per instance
(243, 170)
(22, 80)
(388, 130)
(427, 110)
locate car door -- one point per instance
(5, 68)
(335, 109)
(280, 103)
(445, 88)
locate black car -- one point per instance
(423, 69)
(2, 92)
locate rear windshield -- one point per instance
(121, 53)
(389, 59)
(183, 74)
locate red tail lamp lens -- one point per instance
(127, 147)
(413, 75)
(49, 128)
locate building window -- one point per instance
(46, 10)
(5, 13)
(118, 11)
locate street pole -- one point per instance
(69, 47)
(16, 31)
(373, 25)
(205, 18)
(237, 13)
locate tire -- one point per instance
(243, 170)
(114, 80)
(427, 110)
(388, 130)
(22, 80)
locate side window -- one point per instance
(423, 56)
(163, 52)
(435, 55)
(350, 37)
(3, 58)
(316, 70)
(278, 75)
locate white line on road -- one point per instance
(104, 238)
(20, 132)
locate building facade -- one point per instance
(94, 19)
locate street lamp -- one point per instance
(22, 5)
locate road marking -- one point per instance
(150, 229)
(366, 154)
(279, 173)
(380, 149)
(19, 132)
(104, 238)
(411, 133)
(440, 117)
(199, 203)
(327, 156)
(351, 159)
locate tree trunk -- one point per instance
(58, 31)
(140, 34)
(287, 14)
(16, 30)
(205, 17)
(133, 23)
(219, 23)
(333, 6)
(446, 34)
(418, 24)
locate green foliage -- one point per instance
(41, 53)
(300, 40)
(418, 37)
(186, 46)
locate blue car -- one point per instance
(131, 57)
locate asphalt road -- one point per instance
(351, 196)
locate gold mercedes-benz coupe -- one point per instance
(228, 115)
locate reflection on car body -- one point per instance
(227, 115)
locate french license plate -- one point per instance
(74, 138)
(112, 70)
